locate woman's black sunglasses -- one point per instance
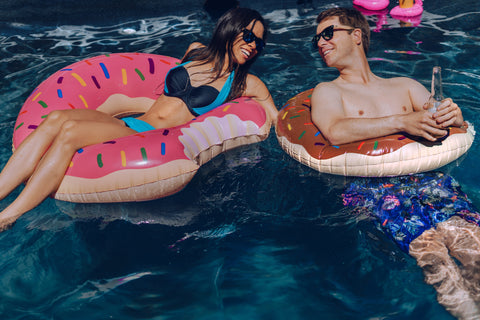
(327, 34)
(249, 36)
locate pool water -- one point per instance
(255, 235)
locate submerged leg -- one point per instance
(442, 272)
(51, 168)
(462, 239)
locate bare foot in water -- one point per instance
(7, 222)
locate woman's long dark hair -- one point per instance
(228, 27)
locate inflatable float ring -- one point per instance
(392, 155)
(413, 11)
(143, 166)
(373, 5)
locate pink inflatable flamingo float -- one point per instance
(406, 10)
(373, 5)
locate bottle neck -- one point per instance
(437, 91)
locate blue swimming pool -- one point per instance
(255, 235)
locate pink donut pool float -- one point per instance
(412, 11)
(373, 5)
(143, 166)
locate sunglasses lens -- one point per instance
(327, 33)
(249, 36)
(259, 43)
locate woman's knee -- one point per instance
(68, 135)
(56, 118)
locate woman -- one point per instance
(207, 77)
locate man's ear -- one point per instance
(357, 34)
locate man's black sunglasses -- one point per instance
(327, 34)
(249, 36)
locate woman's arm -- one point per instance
(258, 91)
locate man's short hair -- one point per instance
(352, 18)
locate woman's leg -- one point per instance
(22, 163)
(462, 239)
(442, 272)
(51, 168)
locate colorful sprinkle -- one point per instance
(71, 164)
(71, 106)
(99, 160)
(375, 145)
(164, 61)
(151, 65)
(105, 70)
(144, 154)
(162, 148)
(124, 77)
(140, 74)
(35, 98)
(88, 62)
(59, 93)
(79, 79)
(126, 57)
(289, 127)
(226, 108)
(21, 124)
(293, 117)
(95, 82)
(301, 135)
(402, 138)
(60, 80)
(284, 115)
(166, 132)
(319, 143)
(80, 150)
(124, 158)
(361, 145)
(32, 127)
(43, 104)
(318, 133)
(83, 100)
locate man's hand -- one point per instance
(448, 114)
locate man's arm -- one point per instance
(448, 112)
(329, 116)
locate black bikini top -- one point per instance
(199, 100)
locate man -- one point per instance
(360, 105)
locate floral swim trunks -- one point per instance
(408, 205)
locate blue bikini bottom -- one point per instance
(137, 125)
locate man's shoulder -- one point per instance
(401, 81)
(322, 86)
